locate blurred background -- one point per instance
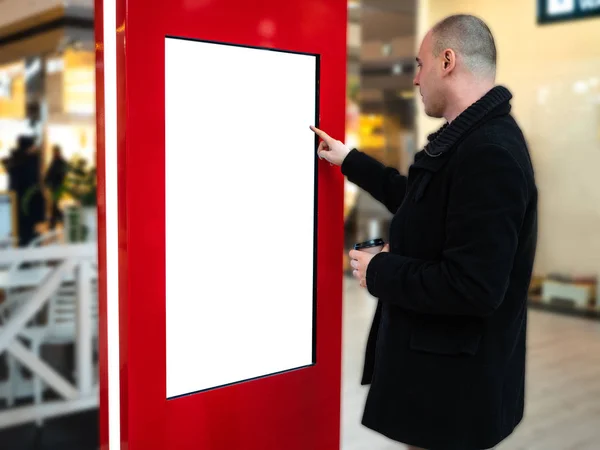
(548, 56)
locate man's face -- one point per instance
(429, 79)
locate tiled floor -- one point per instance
(74, 432)
(563, 397)
(563, 405)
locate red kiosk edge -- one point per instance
(295, 410)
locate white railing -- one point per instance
(81, 260)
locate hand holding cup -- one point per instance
(362, 255)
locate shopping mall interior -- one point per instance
(48, 199)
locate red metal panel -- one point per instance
(295, 410)
(101, 173)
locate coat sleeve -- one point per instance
(385, 184)
(487, 205)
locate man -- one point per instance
(55, 177)
(23, 168)
(446, 353)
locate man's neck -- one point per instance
(464, 96)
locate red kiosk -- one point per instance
(201, 348)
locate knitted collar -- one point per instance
(450, 133)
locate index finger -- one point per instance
(321, 134)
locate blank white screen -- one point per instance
(240, 193)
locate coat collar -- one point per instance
(435, 154)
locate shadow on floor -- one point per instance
(74, 432)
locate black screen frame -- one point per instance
(317, 57)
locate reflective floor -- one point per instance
(74, 432)
(563, 405)
(563, 397)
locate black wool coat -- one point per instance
(446, 353)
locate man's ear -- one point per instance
(449, 61)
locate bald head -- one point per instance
(471, 40)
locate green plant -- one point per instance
(353, 88)
(79, 183)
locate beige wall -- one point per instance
(553, 72)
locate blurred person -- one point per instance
(445, 356)
(23, 168)
(54, 180)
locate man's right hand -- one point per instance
(331, 149)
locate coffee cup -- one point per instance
(372, 246)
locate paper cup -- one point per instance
(372, 246)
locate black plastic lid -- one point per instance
(369, 244)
